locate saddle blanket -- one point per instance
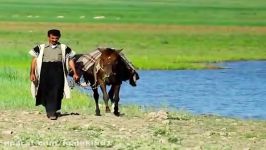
(89, 60)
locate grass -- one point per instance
(187, 12)
(211, 31)
(170, 34)
(179, 47)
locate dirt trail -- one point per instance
(31, 128)
(153, 130)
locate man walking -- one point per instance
(48, 72)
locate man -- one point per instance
(48, 72)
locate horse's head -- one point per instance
(109, 63)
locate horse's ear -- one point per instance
(118, 51)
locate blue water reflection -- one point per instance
(238, 91)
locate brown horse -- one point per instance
(109, 69)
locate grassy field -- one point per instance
(148, 46)
(188, 12)
(155, 34)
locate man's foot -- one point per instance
(58, 113)
(52, 116)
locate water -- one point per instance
(238, 91)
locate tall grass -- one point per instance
(15, 92)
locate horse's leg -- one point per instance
(105, 97)
(111, 96)
(116, 99)
(96, 98)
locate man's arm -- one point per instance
(34, 53)
(71, 63)
(72, 66)
(32, 69)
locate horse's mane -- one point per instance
(108, 51)
(124, 73)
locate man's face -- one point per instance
(53, 39)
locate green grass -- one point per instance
(206, 12)
(162, 49)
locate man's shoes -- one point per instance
(52, 116)
(58, 113)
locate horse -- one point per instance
(108, 70)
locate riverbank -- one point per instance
(141, 130)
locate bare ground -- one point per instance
(154, 130)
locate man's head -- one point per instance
(53, 36)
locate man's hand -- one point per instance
(32, 69)
(72, 67)
(75, 77)
(32, 77)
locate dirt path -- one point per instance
(82, 130)
(154, 130)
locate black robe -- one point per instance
(51, 87)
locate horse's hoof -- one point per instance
(117, 114)
(97, 113)
(113, 108)
(107, 110)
